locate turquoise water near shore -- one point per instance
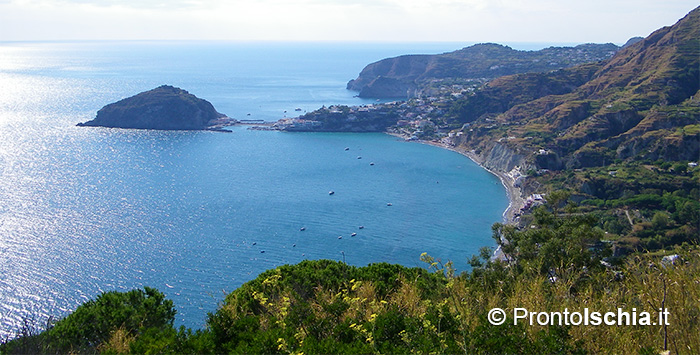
(196, 214)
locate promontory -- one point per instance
(163, 108)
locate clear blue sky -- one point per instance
(504, 21)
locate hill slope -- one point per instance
(165, 107)
(641, 104)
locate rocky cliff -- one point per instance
(164, 108)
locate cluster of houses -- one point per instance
(416, 117)
(533, 200)
(296, 124)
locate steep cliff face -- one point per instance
(387, 88)
(494, 155)
(403, 69)
(500, 157)
(164, 108)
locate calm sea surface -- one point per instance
(196, 214)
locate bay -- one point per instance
(196, 214)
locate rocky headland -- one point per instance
(163, 108)
(417, 75)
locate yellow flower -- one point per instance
(282, 344)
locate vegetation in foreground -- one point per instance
(330, 307)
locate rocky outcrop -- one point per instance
(501, 158)
(492, 155)
(163, 108)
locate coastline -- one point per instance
(513, 193)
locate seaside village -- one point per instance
(416, 119)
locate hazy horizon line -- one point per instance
(517, 45)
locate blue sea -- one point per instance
(85, 210)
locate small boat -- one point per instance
(302, 229)
(262, 252)
(297, 109)
(331, 192)
(340, 237)
(347, 148)
(254, 243)
(359, 157)
(372, 163)
(389, 204)
(362, 227)
(354, 234)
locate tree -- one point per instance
(555, 246)
(94, 323)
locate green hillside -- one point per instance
(620, 137)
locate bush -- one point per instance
(109, 323)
